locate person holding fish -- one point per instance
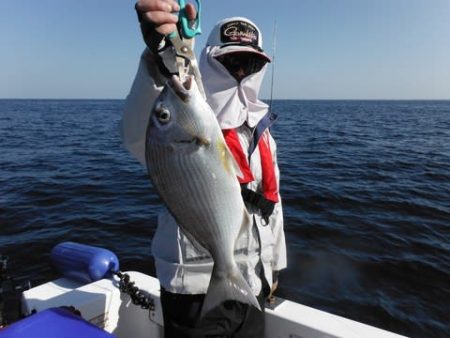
(204, 136)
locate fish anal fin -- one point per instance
(245, 225)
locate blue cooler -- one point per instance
(53, 323)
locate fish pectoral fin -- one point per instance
(228, 160)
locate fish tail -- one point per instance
(231, 286)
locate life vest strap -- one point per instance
(265, 123)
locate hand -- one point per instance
(157, 16)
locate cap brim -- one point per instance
(239, 48)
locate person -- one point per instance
(232, 65)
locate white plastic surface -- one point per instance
(104, 305)
(293, 320)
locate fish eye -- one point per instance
(162, 114)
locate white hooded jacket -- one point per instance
(181, 266)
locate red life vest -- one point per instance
(269, 181)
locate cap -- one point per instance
(237, 34)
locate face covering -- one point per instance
(233, 103)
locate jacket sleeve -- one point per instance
(145, 89)
(277, 222)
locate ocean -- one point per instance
(365, 187)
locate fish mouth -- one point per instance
(181, 88)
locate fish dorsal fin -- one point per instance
(201, 251)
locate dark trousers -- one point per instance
(229, 320)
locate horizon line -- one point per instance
(264, 99)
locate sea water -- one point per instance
(365, 188)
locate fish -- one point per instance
(195, 175)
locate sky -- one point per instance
(323, 49)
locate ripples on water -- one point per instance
(365, 187)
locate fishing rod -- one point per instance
(274, 40)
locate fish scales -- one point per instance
(195, 176)
(202, 194)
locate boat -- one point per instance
(102, 302)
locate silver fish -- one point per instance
(194, 173)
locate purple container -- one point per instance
(53, 323)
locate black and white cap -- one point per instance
(237, 34)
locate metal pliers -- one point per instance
(182, 40)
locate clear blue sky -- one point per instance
(330, 49)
